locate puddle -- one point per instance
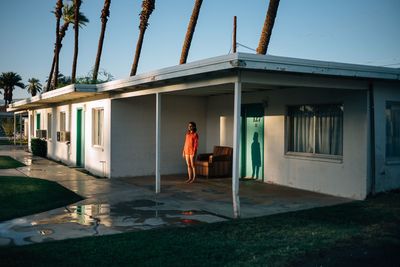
(98, 219)
(46, 232)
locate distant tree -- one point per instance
(34, 86)
(68, 16)
(63, 80)
(268, 26)
(147, 8)
(190, 31)
(8, 82)
(102, 77)
(77, 6)
(105, 13)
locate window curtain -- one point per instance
(393, 132)
(329, 130)
(302, 134)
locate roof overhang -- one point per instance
(219, 70)
(67, 93)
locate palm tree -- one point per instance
(54, 65)
(105, 13)
(268, 26)
(190, 31)
(77, 6)
(8, 81)
(34, 86)
(68, 16)
(147, 8)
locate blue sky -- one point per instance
(351, 31)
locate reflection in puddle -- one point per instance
(46, 232)
(99, 219)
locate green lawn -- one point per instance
(7, 162)
(11, 142)
(363, 233)
(21, 196)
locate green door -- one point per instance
(252, 142)
(79, 136)
(37, 121)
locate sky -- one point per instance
(350, 31)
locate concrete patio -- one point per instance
(130, 204)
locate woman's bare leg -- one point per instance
(191, 158)
(189, 167)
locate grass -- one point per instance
(20, 196)
(7, 162)
(360, 233)
(11, 142)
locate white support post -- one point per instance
(20, 129)
(236, 148)
(158, 136)
(15, 129)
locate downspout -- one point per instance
(372, 135)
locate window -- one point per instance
(393, 131)
(49, 124)
(97, 128)
(316, 129)
(63, 121)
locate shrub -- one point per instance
(39, 147)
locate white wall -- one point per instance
(133, 133)
(347, 178)
(96, 159)
(387, 174)
(219, 121)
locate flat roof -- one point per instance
(226, 63)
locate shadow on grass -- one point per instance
(20, 196)
(7, 162)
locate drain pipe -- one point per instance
(372, 134)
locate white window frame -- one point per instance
(49, 125)
(98, 127)
(307, 155)
(388, 112)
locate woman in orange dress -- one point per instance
(190, 150)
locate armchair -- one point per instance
(216, 164)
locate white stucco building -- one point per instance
(327, 127)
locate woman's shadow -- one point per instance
(255, 156)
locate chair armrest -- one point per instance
(204, 157)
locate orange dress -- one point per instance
(191, 143)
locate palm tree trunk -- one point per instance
(105, 13)
(137, 53)
(147, 9)
(190, 31)
(268, 26)
(77, 4)
(58, 14)
(48, 88)
(62, 32)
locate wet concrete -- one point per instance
(130, 204)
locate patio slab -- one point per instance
(130, 204)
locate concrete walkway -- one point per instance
(130, 204)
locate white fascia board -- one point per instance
(285, 64)
(86, 88)
(179, 71)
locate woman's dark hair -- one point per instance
(194, 126)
